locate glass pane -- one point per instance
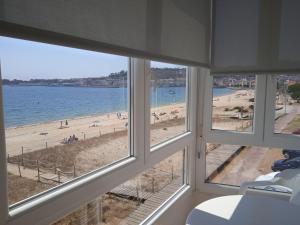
(134, 200)
(287, 105)
(233, 102)
(233, 164)
(168, 101)
(66, 113)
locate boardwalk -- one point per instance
(217, 159)
(152, 203)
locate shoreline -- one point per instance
(30, 123)
(63, 119)
(84, 117)
(35, 136)
(233, 91)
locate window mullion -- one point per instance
(3, 168)
(138, 66)
(192, 122)
(260, 107)
(147, 108)
(203, 124)
(270, 108)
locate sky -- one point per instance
(22, 59)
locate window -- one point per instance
(287, 106)
(233, 103)
(137, 198)
(168, 99)
(262, 140)
(77, 124)
(66, 113)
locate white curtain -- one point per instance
(256, 36)
(176, 30)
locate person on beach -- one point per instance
(66, 123)
(61, 124)
(70, 140)
(75, 138)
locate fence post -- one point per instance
(137, 191)
(74, 170)
(101, 210)
(172, 172)
(137, 195)
(153, 184)
(19, 167)
(83, 136)
(22, 154)
(38, 170)
(46, 145)
(55, 168)
(58, 175)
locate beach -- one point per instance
(49, 134)
(227, 110)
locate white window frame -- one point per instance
(271, 138)
(235, 137)
(263, 133)
(179, 141)
(66, 198)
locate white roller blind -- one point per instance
(256, 36)
(162, 29)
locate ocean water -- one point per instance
(35, 104)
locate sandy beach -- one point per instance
(38, 136)
(226, 110)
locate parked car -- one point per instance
(283, 164)
(290, 154)
(296, 132)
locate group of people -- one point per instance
(119, 115)
(70, 140)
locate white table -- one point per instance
(244, 210)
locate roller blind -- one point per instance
(173, 30)
(256, 36)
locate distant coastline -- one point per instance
(173, 77)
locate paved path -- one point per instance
(283, 121)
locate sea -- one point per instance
(24, 105)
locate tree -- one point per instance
(294, 91)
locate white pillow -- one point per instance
(275, 187)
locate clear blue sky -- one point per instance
(24, 60)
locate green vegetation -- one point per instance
(294, 91)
